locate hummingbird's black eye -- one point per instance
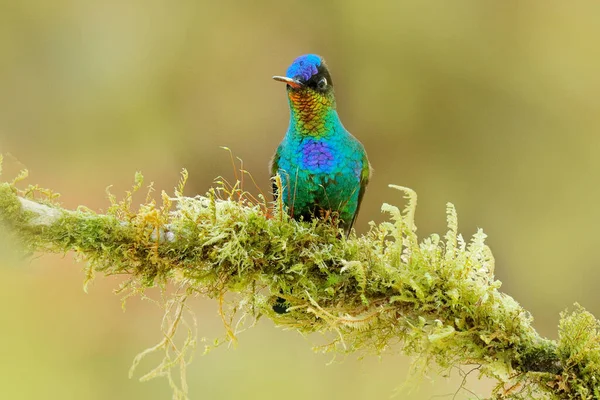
(322, 84)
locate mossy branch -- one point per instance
(436, 299)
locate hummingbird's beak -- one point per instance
(292, 82)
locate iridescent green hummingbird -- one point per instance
(323, 168)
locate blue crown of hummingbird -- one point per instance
(304, 67)
(323, 168)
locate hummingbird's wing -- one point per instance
(365, 175)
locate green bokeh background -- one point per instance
(492, 105)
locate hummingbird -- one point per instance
(324, 170)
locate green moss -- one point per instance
(579, 350)
(437, 298)
(10, 206)
(15, 221)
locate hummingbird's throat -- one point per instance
(310, 111)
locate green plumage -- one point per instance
(323, 168)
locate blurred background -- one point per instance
(493, 106)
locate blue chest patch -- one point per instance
(317, 156)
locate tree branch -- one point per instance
(437, 299)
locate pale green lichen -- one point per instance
(436, 299)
